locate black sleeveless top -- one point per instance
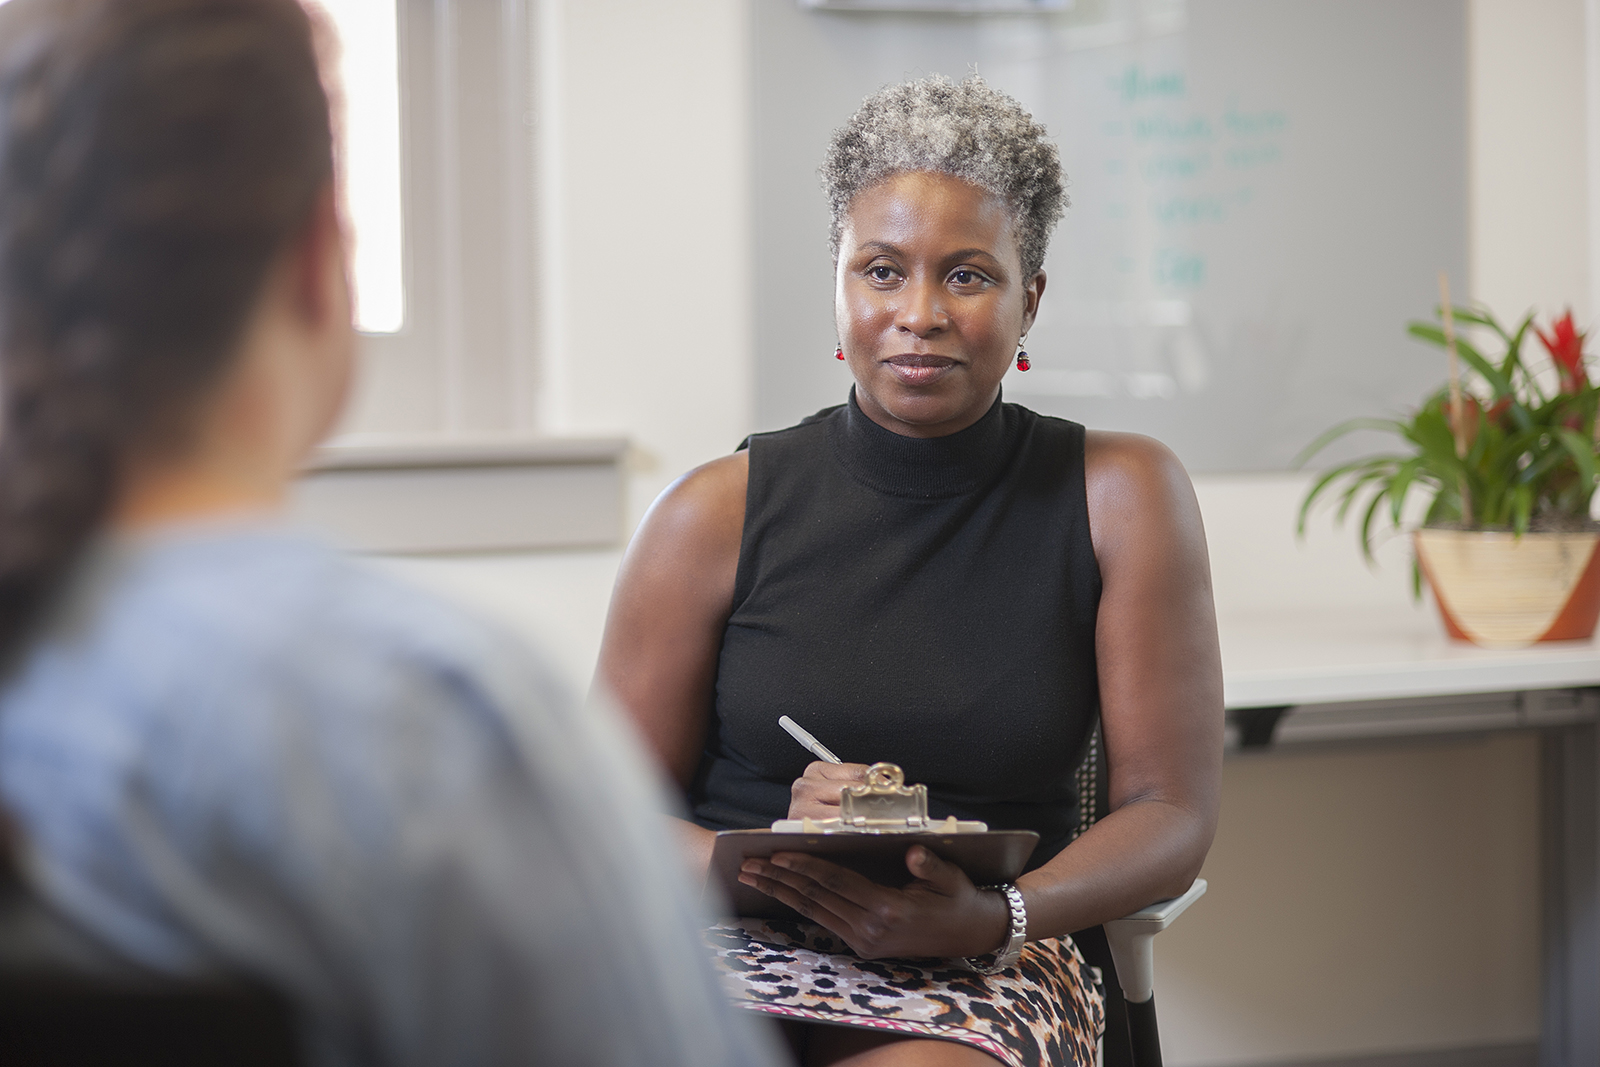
(930, 602)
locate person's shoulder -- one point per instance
(802, 433)
(1131, 476)
(708, 499)
(230, 665)
(698, 520)
(1110, 458)
(294, 614)
(391, 624)
(1053, 430)
(811, 423)
(1129, 455)
(263, 585)
(1134, 482)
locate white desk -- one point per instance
(1346, 674)
(1286, 657)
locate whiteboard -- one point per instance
(1263, 193)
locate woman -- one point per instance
(224, 747)
(930, 576)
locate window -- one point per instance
(440, 192)
(369, 82)
(436, 452)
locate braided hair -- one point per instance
(155, 157)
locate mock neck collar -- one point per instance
(953, 465)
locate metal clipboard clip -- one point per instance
(884, 804)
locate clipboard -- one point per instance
(989, 857)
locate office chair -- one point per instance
(1122, 948)
(66, 1001)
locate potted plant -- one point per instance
(1506, 459)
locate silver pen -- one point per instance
(812, 745)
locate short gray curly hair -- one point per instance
(967, 130)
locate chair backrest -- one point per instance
(1093, 804)
(1090, 778)
(66, 1001)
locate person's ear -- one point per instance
(321, 307)
(321, 284)
(1031, 294)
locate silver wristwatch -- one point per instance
(1012, 951)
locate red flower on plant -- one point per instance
(1565, 345)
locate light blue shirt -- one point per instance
(235, 749)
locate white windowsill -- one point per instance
(379, 452)
(430, 495)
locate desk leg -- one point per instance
(1570, 845)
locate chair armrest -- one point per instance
(1129, 938)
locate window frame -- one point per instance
(465, 361)
(439, 451)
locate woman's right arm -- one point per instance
(663, 633)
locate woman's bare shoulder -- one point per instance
(1134, 482)
(1130, 462)
(673, 594)
(707, 497)
(701, 514)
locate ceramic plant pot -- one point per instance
(1501, 591)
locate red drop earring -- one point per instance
(838, 352)
(1022, 356)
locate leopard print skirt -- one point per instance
(1045, 1011)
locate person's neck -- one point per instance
(196, 489)
(183, 495)
(279, 393)
(238, 460)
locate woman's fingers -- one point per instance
(805, 895)
(842, 892)
(815, 795)
(943, 877)
(920, 919)
(840, 773)
(798, 868)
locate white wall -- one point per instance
(646, 251)
(1528, 188)
(1363, 900)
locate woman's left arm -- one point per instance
(1160, 674)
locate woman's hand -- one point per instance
(815, 795)
(941, 913)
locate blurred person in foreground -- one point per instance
(225, 747)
